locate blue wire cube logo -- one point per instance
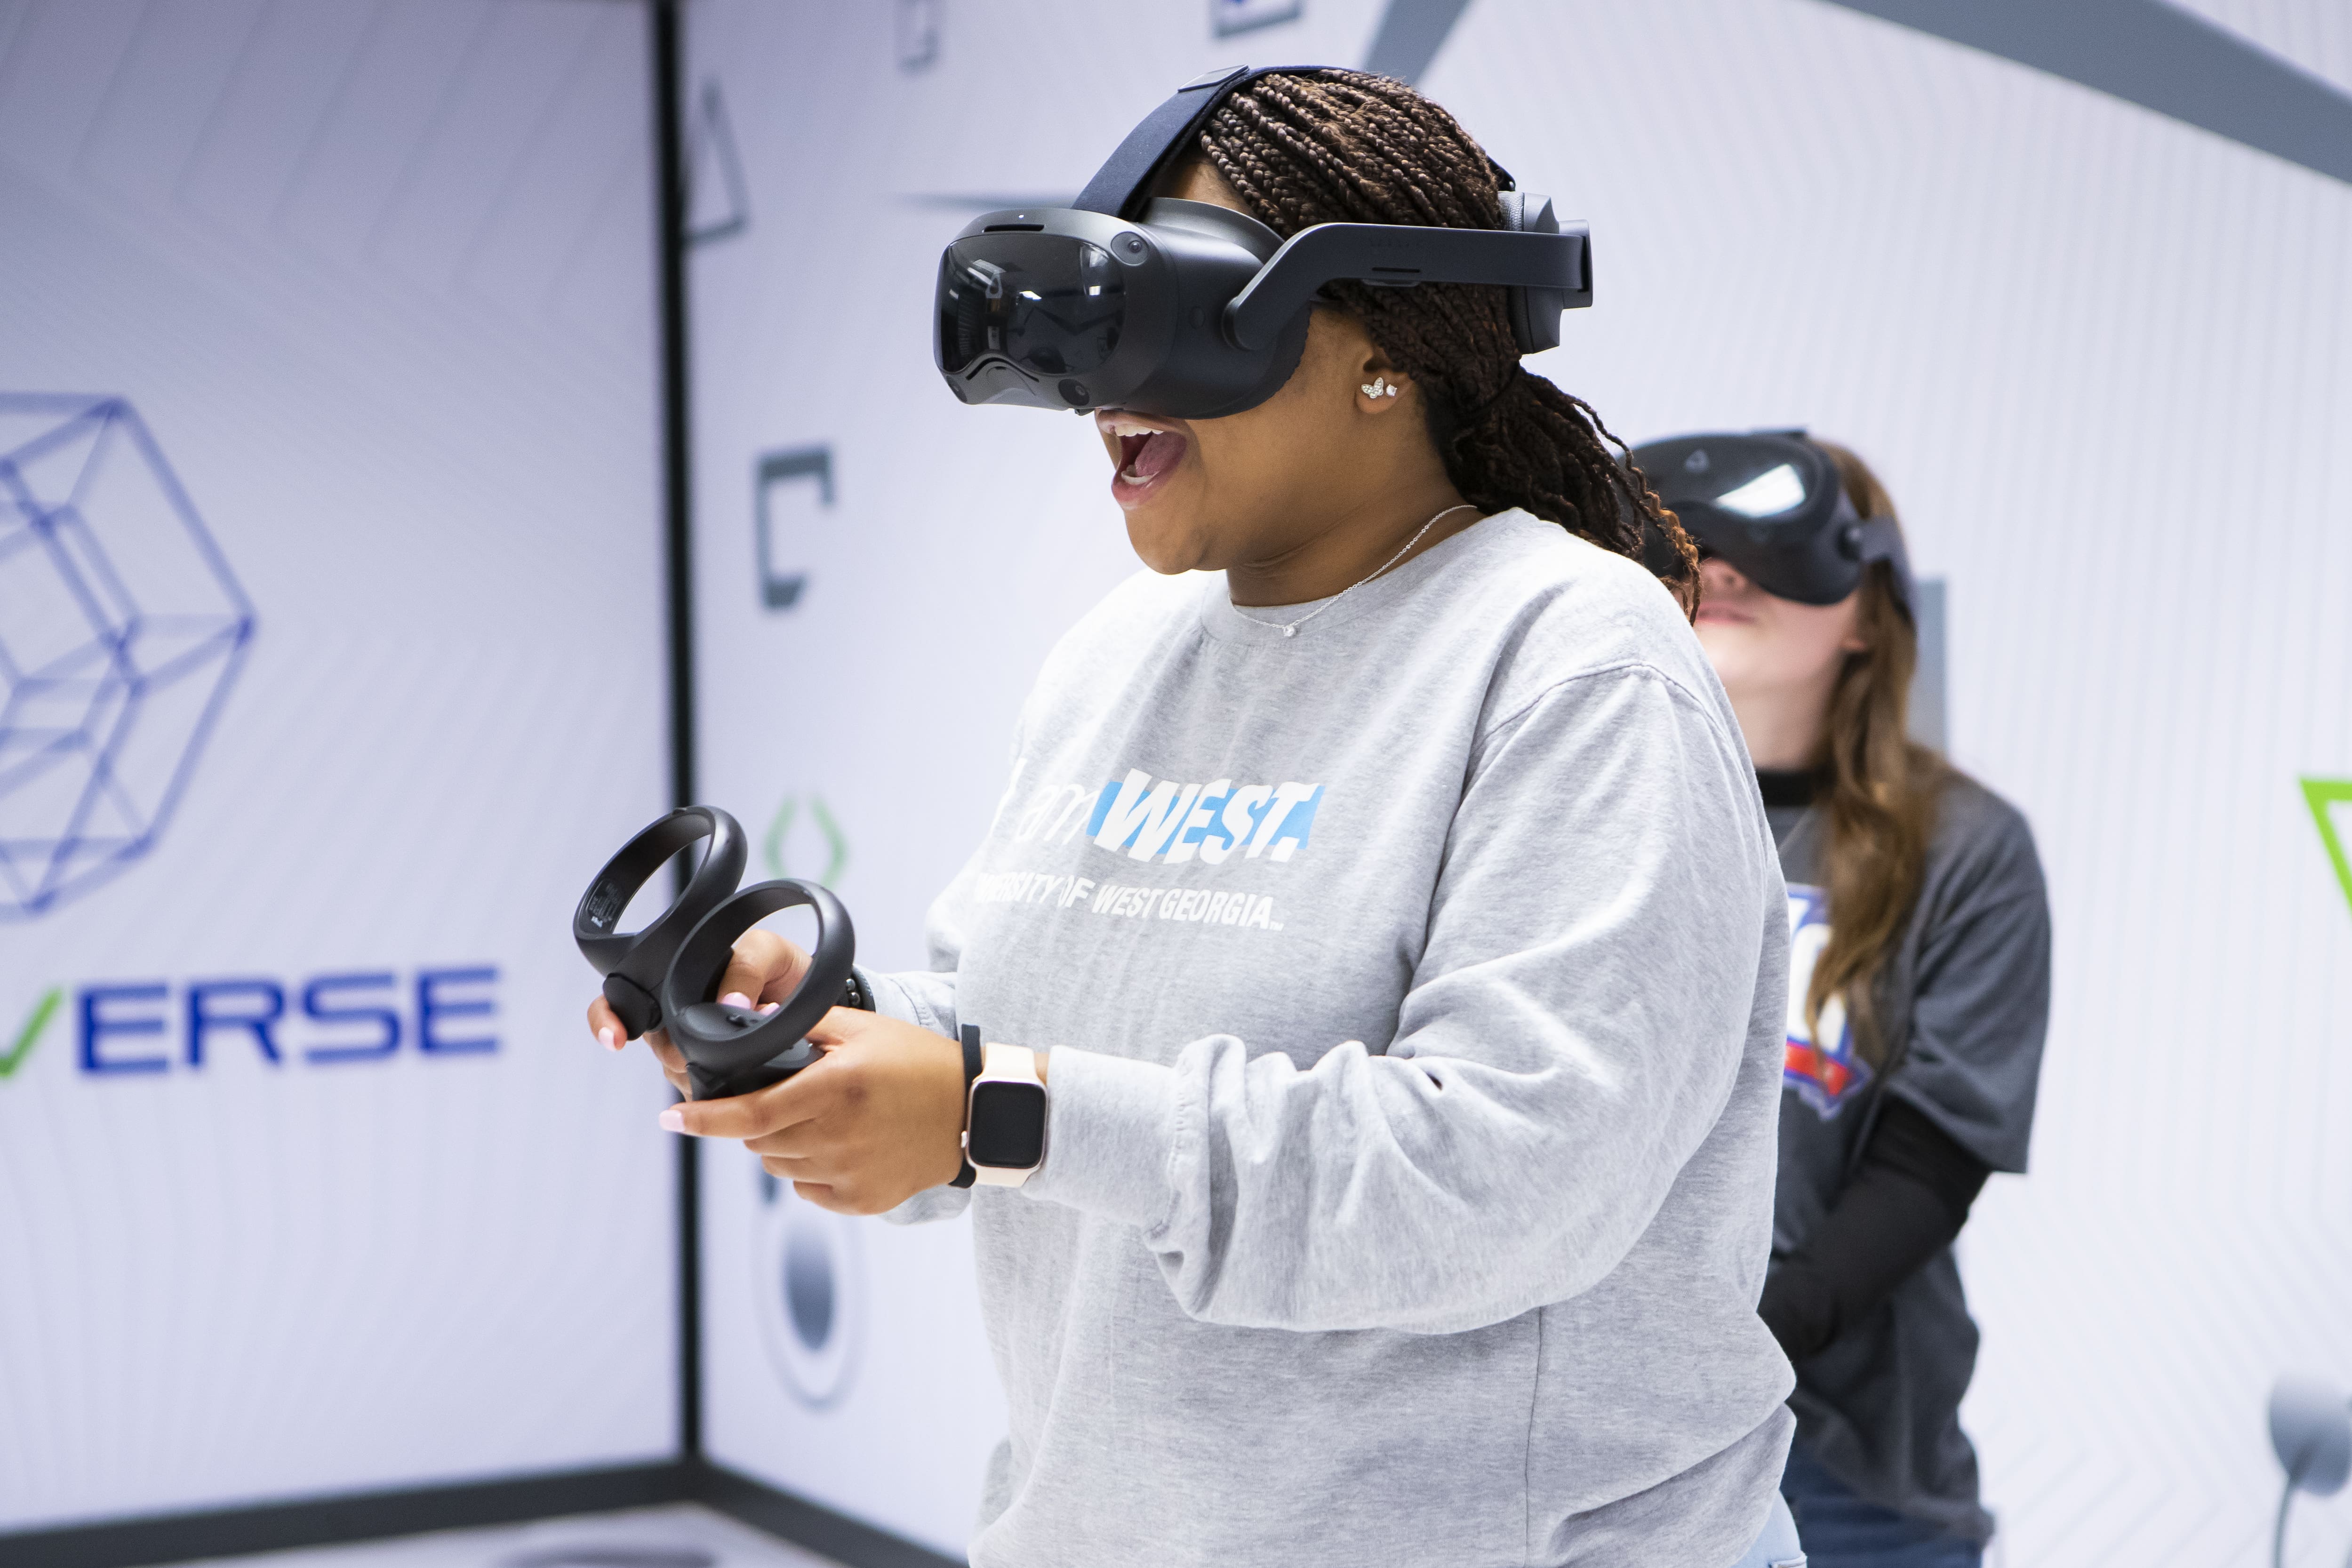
(122, 629)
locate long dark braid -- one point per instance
(1340, 146)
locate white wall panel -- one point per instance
(378, 278)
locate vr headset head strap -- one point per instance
(1545, 270)
(1865, 539)
(1119, 186)
(1397, 256)
(1879, 541)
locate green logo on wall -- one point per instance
(2331, 806)
(30, 1035)
(836, 847)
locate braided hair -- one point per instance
(1341, 146)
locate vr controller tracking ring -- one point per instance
(635, 965)
(734, 1050)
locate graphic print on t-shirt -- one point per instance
(1825, 1071)
(1226, 827)
(1140, 818)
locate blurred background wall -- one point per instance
(347, 309)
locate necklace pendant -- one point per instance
(1291, 630)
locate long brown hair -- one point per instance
(1881, 788)
(1342, 146)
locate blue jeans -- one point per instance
(1776, 1546)
(1840, 1530)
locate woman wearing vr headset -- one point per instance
(1919, 987)
(1380, 948)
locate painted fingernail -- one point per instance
(673, 1120)
(734, 999)
(770, 1006)
(610, 1036)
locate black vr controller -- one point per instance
(667, 975)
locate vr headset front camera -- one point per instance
(1191, 310)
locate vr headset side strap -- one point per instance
(1400, 256)
(1129, 169)
(1878, 538)
(1882, 541)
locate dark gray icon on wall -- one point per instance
(2155, 53)
(611, 1556)
(717, 201)
(1929, 725)
(919, 34)
(808, 1284)
(122, 629)
(2311, 1433)
(784, 483)
(1227, 17)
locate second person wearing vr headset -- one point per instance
(1919, 986)
(1380, 944)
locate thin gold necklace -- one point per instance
(1290, 629)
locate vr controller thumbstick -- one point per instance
(634, 964)
(734, 1050)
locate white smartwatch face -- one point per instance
(1008, 1125)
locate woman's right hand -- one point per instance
(765, 970)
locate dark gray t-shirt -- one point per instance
(1965, 1000)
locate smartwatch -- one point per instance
(1004, 1118)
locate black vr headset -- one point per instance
(1191, 310)
(1773, 505)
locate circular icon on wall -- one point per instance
(808, 1287)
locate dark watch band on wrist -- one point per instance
(972, 1057)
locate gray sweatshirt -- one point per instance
(1415, 986)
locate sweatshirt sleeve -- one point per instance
(923, 997)
(1571, 1033)
(927, 999)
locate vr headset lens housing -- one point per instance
(1774, 506)
(1048, 305)
(1192, 310)
(1065, 309)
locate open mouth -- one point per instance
(1142, 459)
(1147, 453)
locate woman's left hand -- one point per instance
(876, 1119)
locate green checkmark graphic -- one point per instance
(836, 847)
(2323, 796)
(30, 1035)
